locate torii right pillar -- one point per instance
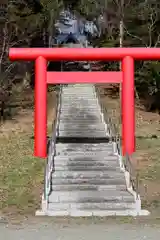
(128, 106)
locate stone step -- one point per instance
(92, 213)
(78, 93)
(81, 154)
(79, 96)
(86, 146)
(93, 147)
(79, 90)
(83, 97)
(81, 114)
(110, 196)
(84, 127)
(81, 86)
(88, 174)
(71, 167)
(77, 120)
(75, 101)
(85, 134)
(80, 106)
(65, 118)
(90, 118)
(81, 120)
(79, 102)
(88, 187)
(82, 101)
(89, 103)
(86, 164)
(80, 125)
(110, 160)
(94, 105)
(91, 206)
(92, 181)
(83, 124)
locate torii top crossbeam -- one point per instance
(87, 54)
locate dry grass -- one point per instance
(21, 174)
(147, 156)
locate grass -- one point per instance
(146, 159)
(21, 174)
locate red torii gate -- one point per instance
(42, 78)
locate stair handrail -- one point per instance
(116, 138)
(133, 174)
(49, 168)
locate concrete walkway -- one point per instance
(48, 231)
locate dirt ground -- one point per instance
(47, 230)
(146, 159)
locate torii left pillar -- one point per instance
(40, 106)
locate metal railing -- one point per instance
(49, 168)
(114, 134)
(133, 174)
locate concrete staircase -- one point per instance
(88, 178)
